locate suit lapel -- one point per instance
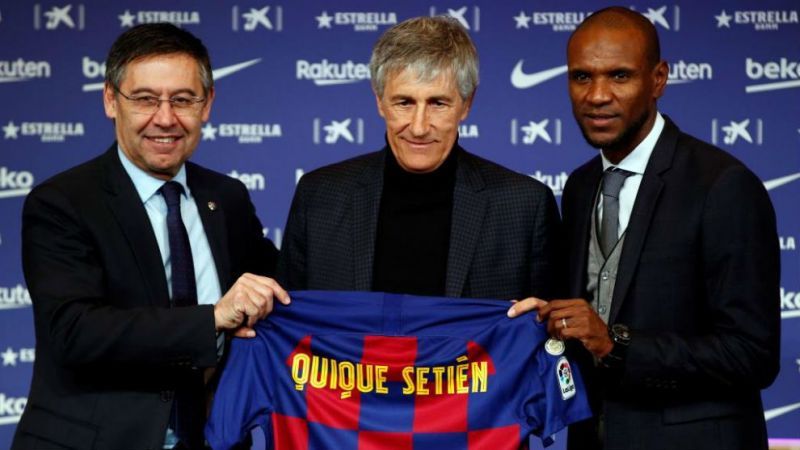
(642, 214)
(469, 210)
(212, 214)
(128, 210)
(366, 207)
(584, 207)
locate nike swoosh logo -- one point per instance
(522, 80)
(222, 72)
(773, 413)
(777, 182)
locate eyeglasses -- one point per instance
(182, 105)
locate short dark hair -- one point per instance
(620, 17)
(154, 39)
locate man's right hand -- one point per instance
(250, 298)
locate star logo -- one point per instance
(522, 20)
(723, 20)
(9, 357)
(10, 130)
(126, 20)
(324, 20)
(209, 132)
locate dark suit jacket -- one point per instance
(502, 240)
(109, 350)
(698, 285)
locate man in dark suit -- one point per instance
(675, 275)
(422, 216)
(127, 257)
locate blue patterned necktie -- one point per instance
(185, 419)
(184, 289)
(613, 179)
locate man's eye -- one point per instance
(181, 102)
(579, 77)
(146, 100)
(621, 75)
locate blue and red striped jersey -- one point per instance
(366, 370)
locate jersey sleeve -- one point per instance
(243, 399)
(557, 396)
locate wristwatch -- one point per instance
(621, 337)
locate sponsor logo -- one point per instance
(785, 70)
(681, 72)
(360, 21)
(522, 80)
(14, 183)
(22, 70)
(664, 17)
(245, 133)
(790, 304)
(736, 131)
(531, 131)
(555, 182)
(325, 73)
(47, 131)
(265, 18)
(777, 412)
(298, 173)
(555, 20)
(787, 243)
(469, 18)
(22, 355)
(178, 18)
(339, 129)
(273, 234)
(565, 380)
(252, 181)
(14, 297)
(92, 69)
(468, 131)
(11, 408)
(760, 20)
(67, 16)
(780, 181)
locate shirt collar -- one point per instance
(147, 185)
(636, 161)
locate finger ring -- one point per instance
(563, 322)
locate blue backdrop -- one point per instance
(293, 94)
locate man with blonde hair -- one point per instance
(422, 216)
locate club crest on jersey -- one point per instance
(565, 380)
(554, 347)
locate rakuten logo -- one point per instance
(14, 297)
(325, 73)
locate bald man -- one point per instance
(673, 262)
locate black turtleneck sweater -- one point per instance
(413, 235)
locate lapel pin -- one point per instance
(212, 206)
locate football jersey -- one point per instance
(366, 370)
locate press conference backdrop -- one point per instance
(293, 94)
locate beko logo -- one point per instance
(325, 73)
(783, 69)
(11, 408)
(15, 183)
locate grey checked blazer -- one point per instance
(503, 240)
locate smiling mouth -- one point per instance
(163, 139)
